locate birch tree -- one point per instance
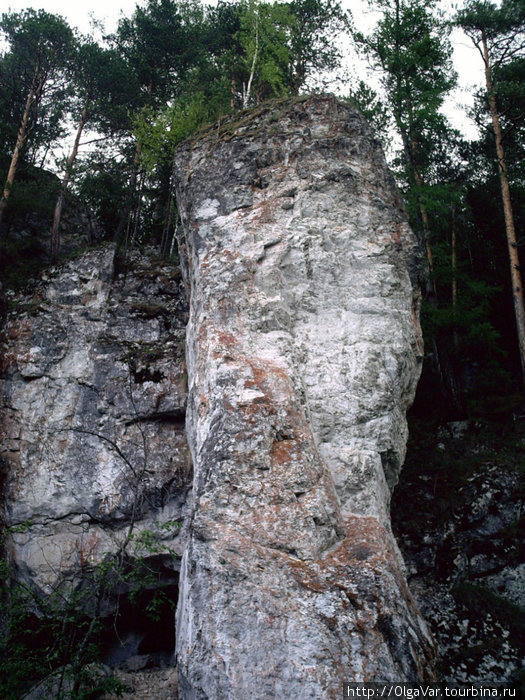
(265, 29)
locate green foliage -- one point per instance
(313, 50)
(147, 542)
(104, 85)
(101, 186)
(171, 68)
(11, 102)
(160, 43)
(23, 254)
(174, 67)
(471, 311)
(219, 59)
(503, 29)
(263, 39)
(57, 639)
(466, 335)
(410, 46)
(160, 132)
(411, 49)
(371, 105)
(44, 637)
(36, 62)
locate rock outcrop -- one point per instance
(93, 410)
(303, 354)
(303, 350)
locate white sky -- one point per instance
(77, 13)
(466, 59)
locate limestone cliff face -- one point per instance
(303, 353)
(93, 399)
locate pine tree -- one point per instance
(102, 91)
(40, 46)
(410, 48)
(499, 36)
(160, 43)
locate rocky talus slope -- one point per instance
(464, 544)
(303, 353)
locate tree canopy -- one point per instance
(119, 108)
(36, 68)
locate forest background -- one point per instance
(118, 104)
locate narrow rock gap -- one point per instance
(147, 374)
(177, 418)
(141, 633)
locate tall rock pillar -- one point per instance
(303, 353)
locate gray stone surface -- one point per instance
(463, 545)
(93, 401)
(303, 353)
(510, 584)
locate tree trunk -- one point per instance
(510, 230)
(441, 358)
(454, 289)
(55, 234)
(431, 284)
(124, 219)
(248, 89)
(167, 233)
(130, 242)
(454, 257)
(233, 95)
(20, 140)
(410, 148)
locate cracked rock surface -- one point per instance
(303, 353)
(93, 401)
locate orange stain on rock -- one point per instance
(283, 451)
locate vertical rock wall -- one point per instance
(93, 393)
(303, 354)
